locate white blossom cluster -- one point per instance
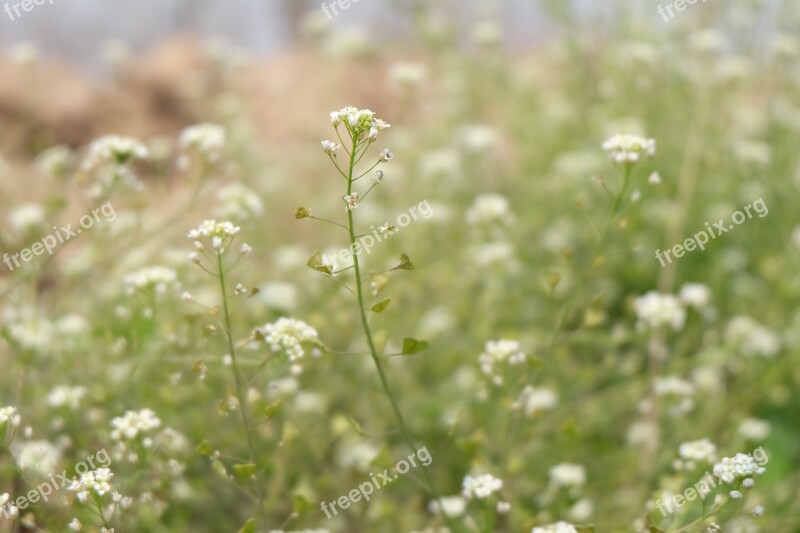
(481, 487)
(65, 396)
(158, 278)
(7, 506)
(739, 467)
(751, 338)
(288, 335)
(135, 424)
(452, 506)
(9, 416)
(96, 482)
(361, 123)
(206, 140)
(237, 201)
(567, 475)
(629, 149)
(558, 527)
(693, 452)
(488, 209)
(217, 235)
(114, 150)
(654, 310)
(499, 352)
(535, 400)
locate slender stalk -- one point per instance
(371, 343)
(239, 388)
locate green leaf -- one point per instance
(315, 262)
(249, 527)
(380, 306)
(357, 427)
(405, 263)
(245, 470)
(302, 504)
(552, 279)
(412, 346)
(271, 410)
(205, 448)
(302, 212)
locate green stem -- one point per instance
(371, 343)
(239, 389)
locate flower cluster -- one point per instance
(558, 527)
(7, 506)
(452, 506)
(216, 235)
(134, 426)
(567, 475)
(239, 202)
(289, 335)
(9, 416)
(694, 452)
(64, 396)
(481, 487)
(629, 149)
(498, 352)
(739, 467)
(114, 150)
(95, 483)
(655, 310)
(488, 209)
(360, 123)
(205, 140)
(158, 278)
(534, 400)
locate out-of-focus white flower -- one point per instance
(488, 209)
(238, 202)
(673, 386)
(55, 161)
(697, 295)
(558, 527)
(498, 352)
(581, 511)
(481, 487)
(280, 295)
(358, 456)
(751, 338)
(66, 396)
(478, 138)
(37, 456)
(629, 149)
(157, 278)
(698, 451)
(754, 429)
(452, 506)
(9, 416)
(134, 424)
(75, 525)
(7, 505)
(27, 216)
(206, 140)
(114, 150)
(567, 475)
(407, 76)
(534, 401)
(758, 510)
(655, 309)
